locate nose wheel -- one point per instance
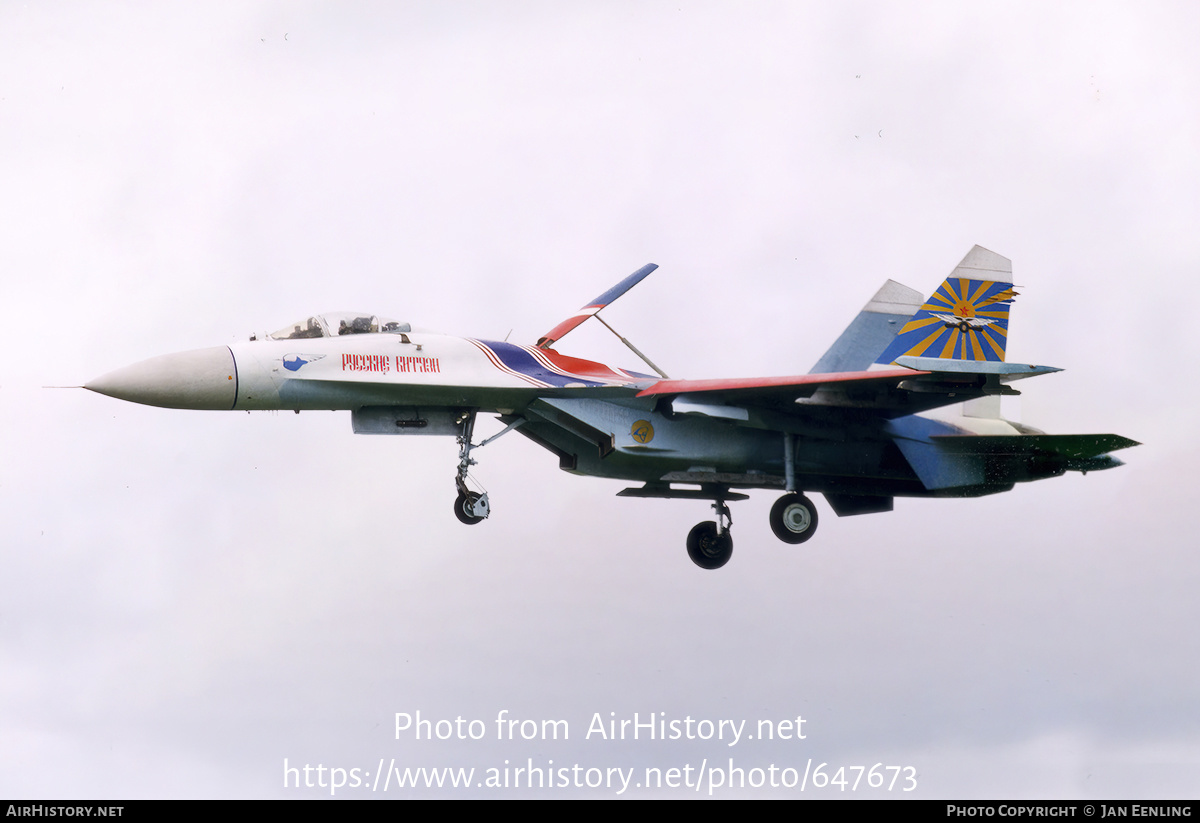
(471, 508)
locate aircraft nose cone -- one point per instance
(198, 379)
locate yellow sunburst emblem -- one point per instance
(642, 431)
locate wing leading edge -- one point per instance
(777, 388)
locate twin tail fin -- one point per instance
(965, 319)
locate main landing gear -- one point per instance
(793, 517)
(710, 545)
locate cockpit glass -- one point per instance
(300, 330)
(354, 324)
(336, 324)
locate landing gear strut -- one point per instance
(469, 507)
(709, 544)
(472, 507)
(793, 517)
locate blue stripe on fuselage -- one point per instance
(519, 360)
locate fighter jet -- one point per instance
(904, 404)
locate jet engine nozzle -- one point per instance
(197, 379)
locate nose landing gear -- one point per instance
(472, 507)
(469, 507)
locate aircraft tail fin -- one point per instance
(871, 331)
(965, 319)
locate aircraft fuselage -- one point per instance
(884, 413)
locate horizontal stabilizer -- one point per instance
(1007, 371)
(1070, 446)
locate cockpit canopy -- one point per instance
(336, 324)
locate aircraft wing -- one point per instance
(885, 393)
(777, 388)
(923, 383)
(888, 393)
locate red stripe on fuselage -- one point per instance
(577, 367)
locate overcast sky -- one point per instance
(190, 598)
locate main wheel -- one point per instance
(793, 518)
(708, 549)
(464, 509)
